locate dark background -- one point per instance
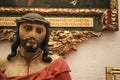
(57, 3)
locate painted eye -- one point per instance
(28, 28)
(38, 30)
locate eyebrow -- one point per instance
(29, 24)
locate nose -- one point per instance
(33, 33)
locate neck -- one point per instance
(28, 55)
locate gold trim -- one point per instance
(62, 42)
(47, 11)
(111, 72)
(55, 21)
(74, 11)
(113, 14)
(7, 34)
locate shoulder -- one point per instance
(59, 63)
(3, 62)
(57, 67)
(56, 58)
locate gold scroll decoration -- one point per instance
(113, 16)
(60, 42)
(112, 73)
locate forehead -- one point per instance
(33, 24)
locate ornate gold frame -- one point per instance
(109, 17)
(61, 42)
(111, 73)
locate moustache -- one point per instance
(30, 44)
(30, 41)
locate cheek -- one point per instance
(42, 37)
(21, 33)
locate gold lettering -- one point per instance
(55, 21)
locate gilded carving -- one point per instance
(112, 73)
(60, 42)
(112, 13)
(64, 41)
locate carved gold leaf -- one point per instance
(60, 42)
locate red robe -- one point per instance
(57, 70)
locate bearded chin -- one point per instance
(29, 48)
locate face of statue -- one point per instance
(31, 36)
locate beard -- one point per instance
(30, 44)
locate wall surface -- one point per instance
(91, 57)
